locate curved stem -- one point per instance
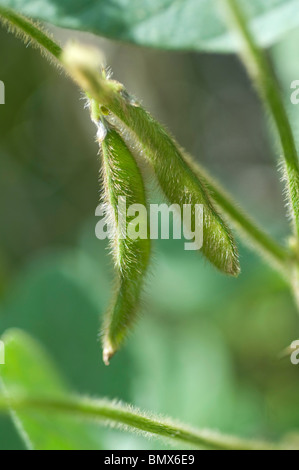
(279, 256)
(133, 119)
(30, 31)
(263, 77)
(129, 419)
(248, 229)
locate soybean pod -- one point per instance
(148, 139)
(174, 172)
(123, 186)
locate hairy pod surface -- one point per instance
(176, 178)
(145, 136)
(123, 179)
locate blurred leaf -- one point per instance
(44, 410)
(59, 299)
(29, 370)
(188, 373)
(168, 24)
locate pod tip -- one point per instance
(108, 353)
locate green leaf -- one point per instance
(168, 24)
(28, 370)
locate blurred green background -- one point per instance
(205, 349)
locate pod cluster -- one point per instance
(131, 134)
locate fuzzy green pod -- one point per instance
(148, 139)
(176, 177)
(124, 188)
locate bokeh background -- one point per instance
(205, 350)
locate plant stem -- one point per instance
(133, 120)
(263, 77)
(30, 31)
(129, 419)
(279, 256)
(248, 229)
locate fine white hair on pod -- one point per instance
(102, 131)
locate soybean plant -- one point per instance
(129, 134)
(145, 138)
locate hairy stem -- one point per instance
(30, 32)
(248, 229)
(263, 77)
(134, 120)
(279, 256)
(132, 420)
